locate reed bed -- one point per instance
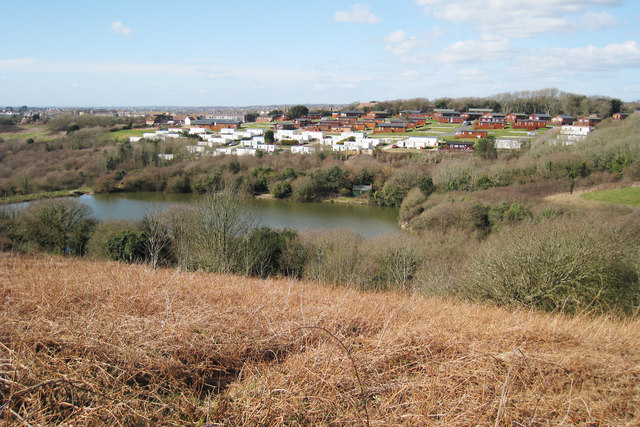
(88, 343)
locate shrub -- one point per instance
(332, 256)
(58, 226)
(411, 204)
(281, 190)
(567, 264)
(126, 246)
(304, 189)
(178, 184)
(266, 250)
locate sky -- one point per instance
(213, 53)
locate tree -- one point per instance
(616, 104)
(266, 250)
(126, 246)
(156, 238)
(297, 111)
(219, 231)
(269, 137)
(59, 226)
(486, 147)
(281, 190)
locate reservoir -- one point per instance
(367, 220)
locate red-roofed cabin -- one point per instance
(589, 121)
(562, 120)
(471, 134)
(515, 117)
(529, 124)
(376, 115)
(488, 125)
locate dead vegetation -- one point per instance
(107, 343)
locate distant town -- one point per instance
(359, 129)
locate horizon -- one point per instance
(131, 55)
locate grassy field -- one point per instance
(624, 196)
(37, 133)
(93, 343)
(125, 134)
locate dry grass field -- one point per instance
(91, 343)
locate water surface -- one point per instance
(367, 220)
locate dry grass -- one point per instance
(105, 343)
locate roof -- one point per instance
(214, 122)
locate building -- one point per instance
(508, 144)
(265, 119)
(529, 124)
(419, 142)
(457, 146)
(589, 120)
(562, 119)
(302, 149)
(216, 124)
(516, 117)
(540, 116)
(471, 134)
(570, 134)
(235, 117)
(620, 116)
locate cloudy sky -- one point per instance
(126, 53)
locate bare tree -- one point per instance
(220, 230)
(157, 237)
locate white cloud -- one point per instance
(473, 75)
(17, 64)
(409, 75)
(598, 21)
(473, 51)
(119, 28)
(521, 18)
(358, 14)
(401, 43)
(591, 59)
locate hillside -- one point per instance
(108, 343)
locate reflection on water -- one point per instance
(369, 221)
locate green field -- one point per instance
(36, 132)
(624, 196)
(125, 134)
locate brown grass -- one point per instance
(105, 343)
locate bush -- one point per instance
(58, 226)
(304, 189)
(178, 184)
(411, 204)
(266, 252)
(281, 190)
(567, 264)
(126, 246)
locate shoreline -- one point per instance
(10, 200)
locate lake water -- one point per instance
(369, 221)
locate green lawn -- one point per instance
(125, 134)
(624, 196)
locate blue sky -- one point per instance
(117, 53)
